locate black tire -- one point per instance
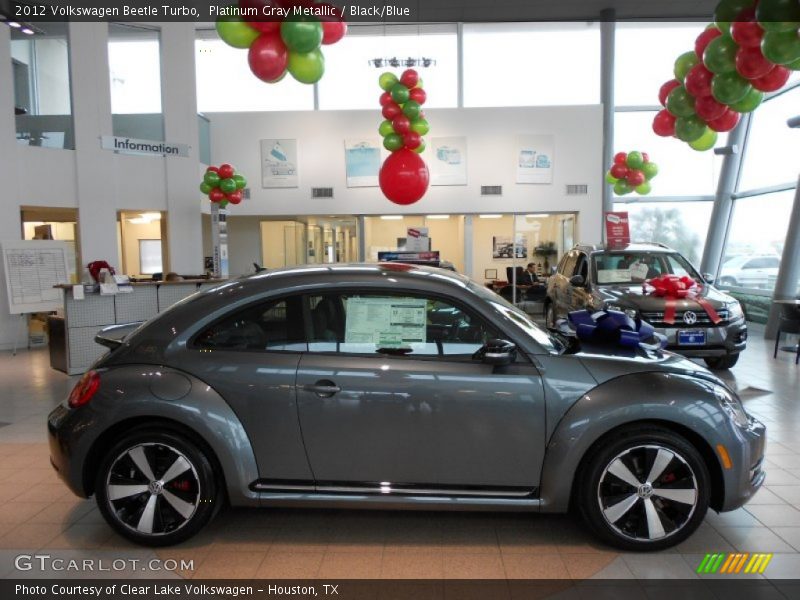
(720, 363)
(641, 519)
(173, 508)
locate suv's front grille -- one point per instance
(656, 319)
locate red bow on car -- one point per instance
(672, 288)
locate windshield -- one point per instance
(613, 268)
(542, 337)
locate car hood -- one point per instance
(634, 296)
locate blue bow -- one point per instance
(616, 328)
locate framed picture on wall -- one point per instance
(504, 247)
(279, 163)
(448, 161)
(490, 274)
(535, 158)
(362, 161)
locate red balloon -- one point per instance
(333, 31)
(258, 20)
(401, 124)
(216, 195)
(664, 123)
(772, 81)
(268, 57)
(698, 81)
(412, 140)
(418, 95)
(619, 171)
(747, 34)
(404, 177)
(215, 169)
(726, 122)
(620, 158)
(386, 98)
(391, 110)
(751, 64)
(708, 109)
(666, 89)
(704, 39)
(635, 177)
(409, 78)
(226, 171)
(234, 197)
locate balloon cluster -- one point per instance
(631, 172)
(404, 176)
(750, 49)
(223, 184)
(290, 44)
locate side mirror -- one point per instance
(709, 278)
(553, 270)
(577, 281)
(496, 352)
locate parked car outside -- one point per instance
(595, 277)
(750, 271)
(395, 386)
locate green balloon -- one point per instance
(689, 129)
(778, 15)
(635, 160)
(420, 126)
(644, 188)
(750, 102)
(622, 187)
(387, 81)
(680, 103)
(611, 179)
(205, 188)
(421, 148)
(650, 170)
(729, 88)
(399, 93)
(781, 47)
(729, 10)
(236, 32)
(684, 64)
(241, 182)
(223, 203)
(211, 178)
(302, 35)
(393, 141)
(307, 68)
(228, 185)
(794, 65)
(720, 55)
(386, 128)
(705, 141)
(411, 109)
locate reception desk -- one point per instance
(83, 319)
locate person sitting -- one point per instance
(528, 277)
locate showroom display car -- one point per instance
(395, 386)
(595, 278)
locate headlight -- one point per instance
(628, 311)
(731, 404)
(735, 311)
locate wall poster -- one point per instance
(279, 163)
(362, 160)
(503, 247)
(448, 163)
(535, 158)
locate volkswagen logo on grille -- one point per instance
(689, 317)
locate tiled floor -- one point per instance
(37, 513)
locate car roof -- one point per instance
(632, 247)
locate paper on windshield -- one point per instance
(385, 321)
(614, 276)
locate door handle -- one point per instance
(323, 388)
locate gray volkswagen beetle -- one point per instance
(395, 386)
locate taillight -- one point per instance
(84, 389)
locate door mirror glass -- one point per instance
(497, 352)
(577, 281)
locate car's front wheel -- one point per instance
(719, 363)
(156, 488)
(646, 488)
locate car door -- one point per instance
(581, 294)
(563, 292)
(390, 398)
(250, 358)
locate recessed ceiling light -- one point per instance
(437, 216)
(537, 216)
(27, 31)
(14, 24)
(391, 217)
(490, 216)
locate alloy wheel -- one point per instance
(647, 493)
(153, 489)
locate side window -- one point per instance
(394, 326)
(569, 264)
(582, 268)
(272, 326)
(751, 264)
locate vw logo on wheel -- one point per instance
(689, 317)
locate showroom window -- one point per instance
(353, 65)
(42, 93)
(410, 326)
(531, 64)
(134, 63)
(226, 84)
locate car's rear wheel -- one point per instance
(719, 363)
(644, 489)
(156, 488)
